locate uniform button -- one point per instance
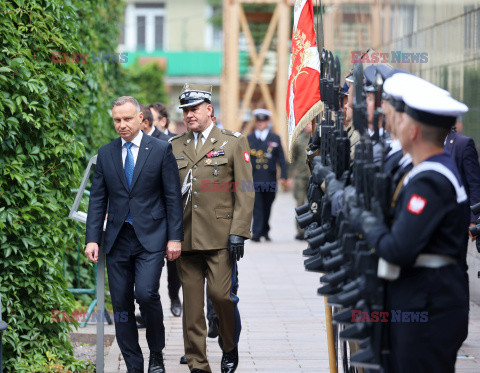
(228, 216)
(195, 206)
(195, 193)
(195, 167)
(194, 179)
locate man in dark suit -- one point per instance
(160, 118)
(172, 273)
(136, 178)
(267, 152)
(463, 151)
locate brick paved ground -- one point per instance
(283, 319)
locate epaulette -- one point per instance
(176, 137)
(231, 133)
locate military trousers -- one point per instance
(261, 213)
(221, 274)
(300, 191)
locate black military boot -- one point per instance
(230, 361)
(155, 365)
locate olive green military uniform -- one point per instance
(218, 199)
(302, 172)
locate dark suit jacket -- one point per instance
(154, 201)
(463, 151)
(265, 165)
(160, 135)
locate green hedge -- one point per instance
(53, 116)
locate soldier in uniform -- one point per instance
(425, 242)
(267, 152)
(215, 169)
(299, 170)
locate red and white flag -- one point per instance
(303, 96)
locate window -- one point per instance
(145, 26)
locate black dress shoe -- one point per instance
(198, 371)
(213, 330)
(176, 307)
(134, 371)
(140, 322)
(267, 238)
(155, 365)
(183, 360)
(230, 361)
(255, 239)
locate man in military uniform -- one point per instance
(267, 152)
(299, 170)
(425, 242)
(216, 173)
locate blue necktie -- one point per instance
(129, 167)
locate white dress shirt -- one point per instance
(205, 134)
(151, 131)
(262, 135)
(135, 148)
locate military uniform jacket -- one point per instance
(265, 156)
(217, 188)
(429, 219)
(299, 158)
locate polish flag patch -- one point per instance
(246, 156)
(416, 204)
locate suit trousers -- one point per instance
(134, 273)
(222, 281)
(261, 213)
(173, 280)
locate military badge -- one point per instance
(246, 156)
(272, 144)
(208, 161)
(215, 153)
(215, 171)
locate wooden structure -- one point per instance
(234, 20)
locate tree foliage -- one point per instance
(150, 81)
(51, 115)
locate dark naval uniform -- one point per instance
(218, 202)
(428, 220)
(265, 157)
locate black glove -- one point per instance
(236, 246)
(352, 207)
(319, 173)
(332, 185)
(367, 222)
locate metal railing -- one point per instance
(100, 268)
(3, 327)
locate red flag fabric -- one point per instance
(303, 96)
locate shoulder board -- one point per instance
(176, 137)
(231, 133)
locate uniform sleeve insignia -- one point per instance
(237, 134)
(416, 204)
(246, 156)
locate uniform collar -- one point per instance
(206, 132)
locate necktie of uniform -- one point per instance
(199, 143)
(129, 167)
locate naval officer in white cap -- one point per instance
(428, 296)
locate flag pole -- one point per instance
(332, 355)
